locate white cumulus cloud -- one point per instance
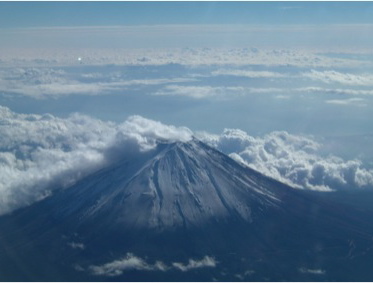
(41, 153)
(291, 159)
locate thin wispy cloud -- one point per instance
(346, 102)
(129, 262)
(247, 73)
(338, 91)
(201, 92)
(207, 261)
(76, 245)
(287, 8)
(312, 271)
(133, 262)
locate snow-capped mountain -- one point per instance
(185, 211)
(176, 185)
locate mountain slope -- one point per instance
(146, 218)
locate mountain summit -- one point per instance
(184, 211)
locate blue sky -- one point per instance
(181, 24)
(46, 14)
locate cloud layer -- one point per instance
(42, 153)
(237, 56)
(197, 73)
(41, 83)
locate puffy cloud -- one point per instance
(341, 78)
(132, 262)
(291, 159)
(147, 132)
(40, 153)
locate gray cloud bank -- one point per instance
(42, 153)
